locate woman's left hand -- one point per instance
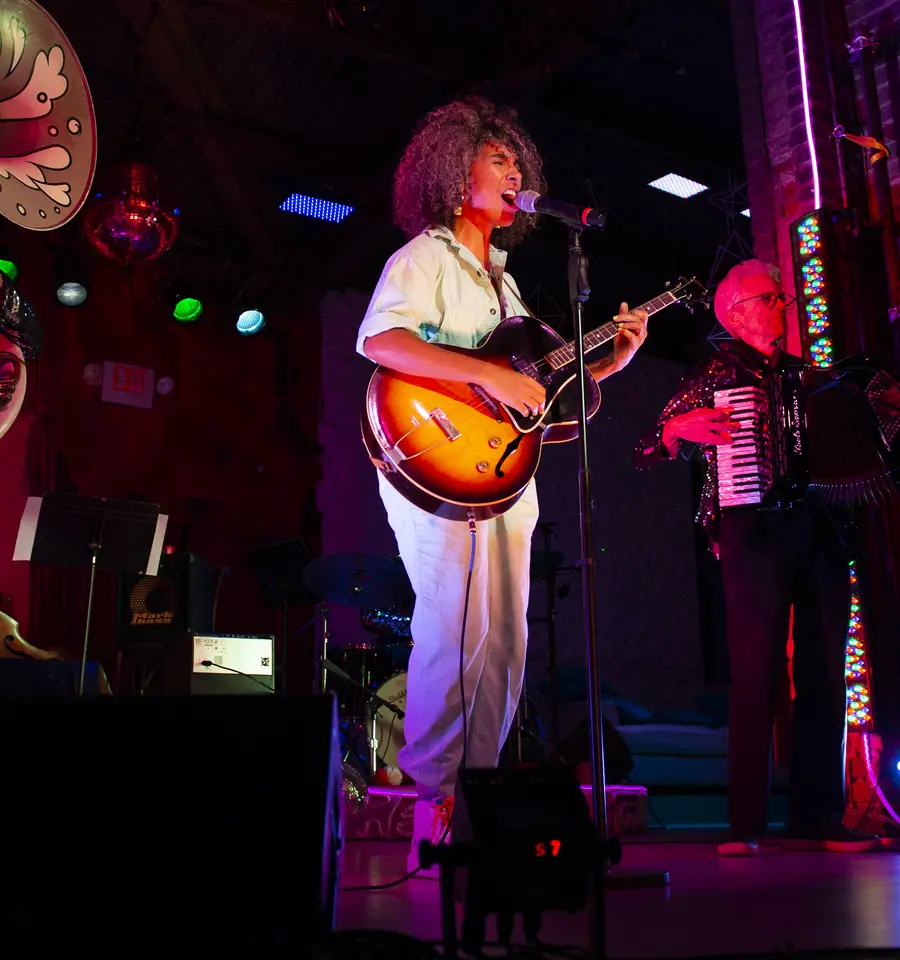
(632, 333)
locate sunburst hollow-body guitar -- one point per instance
(449, 447)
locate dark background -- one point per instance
(237, 104)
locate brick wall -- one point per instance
(779, 166)
(881, 19)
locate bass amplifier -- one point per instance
(221, 663)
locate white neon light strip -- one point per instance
(801, 53)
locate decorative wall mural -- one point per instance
(48, 135)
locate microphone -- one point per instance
(532, 202)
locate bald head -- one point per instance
(732, 288)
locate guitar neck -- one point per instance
(596, 338)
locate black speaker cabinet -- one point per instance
(153, 610)
(213, 822)
(49, 678)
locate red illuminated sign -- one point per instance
(128, 384)
(551, 848)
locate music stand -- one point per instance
(67, 530)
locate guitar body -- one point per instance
(447, 447)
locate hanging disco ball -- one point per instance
(126, 221)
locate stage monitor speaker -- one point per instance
(153, 610)
(201, 822)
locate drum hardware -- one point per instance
(380, 587)
(373, 703)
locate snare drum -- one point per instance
(388, 726)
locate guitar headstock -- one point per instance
(689, 292)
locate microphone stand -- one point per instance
(604, 875)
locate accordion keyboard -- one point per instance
(745, 466)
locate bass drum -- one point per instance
(388, 726)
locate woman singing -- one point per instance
(454, 196)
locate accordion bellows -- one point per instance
(807, 434)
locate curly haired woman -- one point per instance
(454, 192)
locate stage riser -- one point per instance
(389, 813)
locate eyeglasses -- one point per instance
(770, 299)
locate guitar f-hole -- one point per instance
(509, 451)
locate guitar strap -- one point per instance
(505, 285)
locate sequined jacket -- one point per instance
(736, 364)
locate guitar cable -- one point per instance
(470, 516)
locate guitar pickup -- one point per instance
(436, 417)
(488, 401)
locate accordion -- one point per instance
(808, 434)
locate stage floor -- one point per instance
(780, 899)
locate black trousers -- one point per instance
(772, 560)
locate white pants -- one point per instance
(436, 555)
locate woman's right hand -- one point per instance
(517, 391)
(703, 425)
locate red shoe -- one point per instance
(431, 822)
(736, 846)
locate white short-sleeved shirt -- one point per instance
(436, 288)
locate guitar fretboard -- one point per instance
(562, 355)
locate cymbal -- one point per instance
(358, 580)
(545, 562)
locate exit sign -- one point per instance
(129, 385)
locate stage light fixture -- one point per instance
(187, 309)
(814, 253)
(71, 294)
(314, 207)
(746, 213)
(70, 277)
(250, 322)
(10, 269)
(856, 667)
(678, 186)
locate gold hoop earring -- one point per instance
(458, 211)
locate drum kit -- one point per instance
(369, 677)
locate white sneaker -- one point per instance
(431, 822)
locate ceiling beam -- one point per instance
(172, 53)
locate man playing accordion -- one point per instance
(772, 559)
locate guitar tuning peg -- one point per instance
(690, 308)
(668, 284)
